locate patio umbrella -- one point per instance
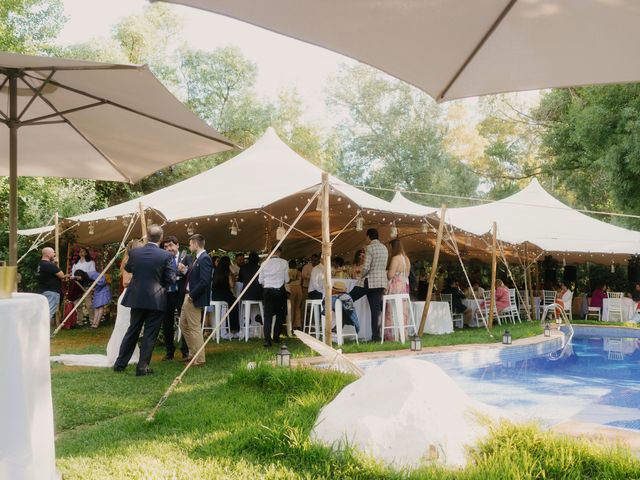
(76, 119)
(463, 48)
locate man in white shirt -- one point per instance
(273, 277)
(316, 283)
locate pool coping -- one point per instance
(495, 348)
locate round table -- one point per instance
(26, 413)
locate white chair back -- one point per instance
(548, 297)
(618, 295)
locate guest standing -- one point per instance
(273, 277)
(146, 295)
(85, 263)
(247, 272)
(305, 275)
(295, 294)
(101, 294)
(316, 281)
(237, 265)
(222, 290)
(373, 280)
(50, 279)
(398, 282)
(197, 297)
(175, 298)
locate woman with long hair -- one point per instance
(398, 276)
(84, 262)
(295, 294)
(358, 263)
(222, 289)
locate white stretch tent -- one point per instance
(403, 204)
(535, 216)
(463, 48)
(268, 178)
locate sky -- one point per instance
(282, 62)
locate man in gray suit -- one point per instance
(374, 279)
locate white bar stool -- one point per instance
(216, 310)
(312, 319)
(341, 333)
(398, 325)
(248, 324)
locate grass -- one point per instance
(227, 422)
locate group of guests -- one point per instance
(83, 274)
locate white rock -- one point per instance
(405, 412)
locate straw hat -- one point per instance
(339, 287)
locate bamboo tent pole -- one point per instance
(178, 379)
(528, 267)
(434, 268)
(326, 257)
(494, 267)
(143, 222)
(56, 242)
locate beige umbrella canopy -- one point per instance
(463, 48)
(76, 119)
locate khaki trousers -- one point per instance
(296, 298)
(190, 325)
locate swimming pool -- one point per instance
(597, 380)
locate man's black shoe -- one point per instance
(266, 343)
(142, 373)
(118, 369)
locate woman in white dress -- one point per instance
(85, 263)
(123, 319)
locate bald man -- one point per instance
(50, 279)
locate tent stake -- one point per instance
(434, 268)
(326, 257)
(494, 267)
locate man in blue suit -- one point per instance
(197, 297)
(153, 271)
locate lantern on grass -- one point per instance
(283, 357)
(547, 329)
(416, 343)
(506, 338)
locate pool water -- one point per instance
(597, 380)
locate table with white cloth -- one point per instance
(362, 309)
(26, 412)
(628, 309)
(439, 321)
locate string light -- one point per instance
(234, 229)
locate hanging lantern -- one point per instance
(125, 221)
(359, 224)
(280, 231)
(547, 329)
(283, 357)
(506, 338)
(564, 262)
(467, 242)
(613, 267)
(425, 227)
(416, 344)
(190, 229)
(394, 231)
(234, 229)
(91, 229)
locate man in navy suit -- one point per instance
(175, 298)
(198, 296)
(153, 271)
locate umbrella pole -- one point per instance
(326, 257)
(434, 269)
(13, 169)
(494, 267)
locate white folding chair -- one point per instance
(487, 307)
(342, 331)
(525, 303)
(614, 307)
(548, 298)
(458, 318)
(568, 307)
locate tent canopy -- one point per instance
(403, 204)
(256, 189)
(533, 215)
(463, 48)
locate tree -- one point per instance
(30, 26)
(392, 136)
(593, 142)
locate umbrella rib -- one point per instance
(61, 113)
(36, 94)
(474, 52)
(82, 68)
(137, 112)
(71, 124)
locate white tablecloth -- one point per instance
(628, 310)
(26, 412)
(439, 321)
(362, 310)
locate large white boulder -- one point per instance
(405, 412)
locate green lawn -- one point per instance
(225, 421)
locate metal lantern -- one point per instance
(91, 229)
(283, 357)
(425, 227)
(190, 229)
(280, 232)
(359, 224)
(394, 231)
(234, 229)
(416, 344)
(547, 329)
(506, 338)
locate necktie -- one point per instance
(174, 287)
